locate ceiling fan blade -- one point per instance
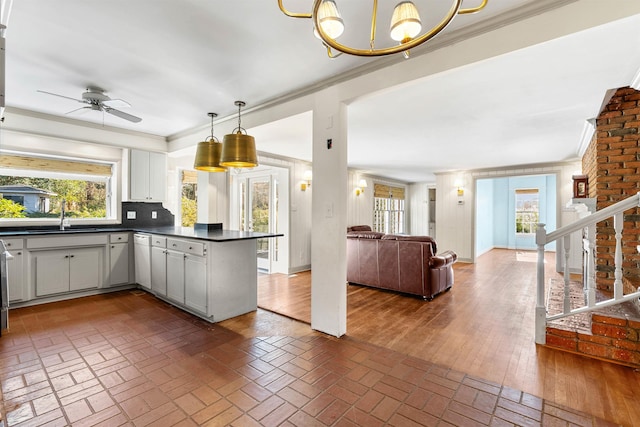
(122, 114)
(77, 109)
(116, 103)
(62, 96)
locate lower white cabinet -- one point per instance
(180, 273)
(119, 258)
(58, 271)
(175, 276)
(195, 282)
(159, 270)
(15, 270)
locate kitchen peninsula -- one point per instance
(211, 274)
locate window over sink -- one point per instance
(33, 188)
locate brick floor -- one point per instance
(129, 359)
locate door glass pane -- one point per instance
(260, 213)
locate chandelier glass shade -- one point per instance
(208, 153)
(238, 148)
(405, 26)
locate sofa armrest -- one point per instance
(442, 260)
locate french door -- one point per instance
(259, 216)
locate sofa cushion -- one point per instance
(404, 237)
(359, 228)
(364, 235)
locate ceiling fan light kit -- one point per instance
(405, 27)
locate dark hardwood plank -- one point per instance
(484, 327)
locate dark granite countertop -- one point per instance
(214, 236)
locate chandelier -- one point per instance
(405, 26)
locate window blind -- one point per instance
(386, 191)
(54, 165)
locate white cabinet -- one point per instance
(159, 270)
(148, 176)
(58, 271)
(15, 270)
(179, 272)
(119, 258)
(142, 254)
(195, 282)
(175, 276)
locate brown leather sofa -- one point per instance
(400, 263)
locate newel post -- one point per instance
(541, 310)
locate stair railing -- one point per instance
(588, 227)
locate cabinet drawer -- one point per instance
(13, 244)
(159, 241)
(186, 246)
(118, 237)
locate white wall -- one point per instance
(455, 225)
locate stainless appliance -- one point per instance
(4, 287)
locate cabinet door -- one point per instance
(84, 268)
(159, 270)
(157, 176)
(52, 272)
(195, 282)
(119, 259)
(175, 276)
(15, 276)
(142, 256)
(139, 175)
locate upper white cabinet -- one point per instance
(148, 176)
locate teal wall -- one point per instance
(495, 211)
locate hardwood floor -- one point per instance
(483, 327)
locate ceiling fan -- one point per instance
(96, 100)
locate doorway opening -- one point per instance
(259, 204)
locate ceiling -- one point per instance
(176, 61)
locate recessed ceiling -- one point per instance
(176, 61)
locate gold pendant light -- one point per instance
(208, 153)
(238, 148)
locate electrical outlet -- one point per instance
(154, 215)
(131, 214)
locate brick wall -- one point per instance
(613, 339)
(612, 163)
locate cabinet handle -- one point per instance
(72, 256)
(190, 247)
(66, 256)
(184, 256)
(174, 245)
(8, 244)
(119, 238)
(113, 247)
(19, 253)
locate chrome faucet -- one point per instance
(62, 214)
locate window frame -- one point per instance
(112, 202)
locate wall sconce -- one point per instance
(459, 184)
(306, 180)
(362, 184)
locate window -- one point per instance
(189, 198)
(35, 187)
(388, 209)
(527, 211)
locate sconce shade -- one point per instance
(405, 22)
(208, 157)
(239, 151)
(330, 19)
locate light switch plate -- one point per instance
(131, 214)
